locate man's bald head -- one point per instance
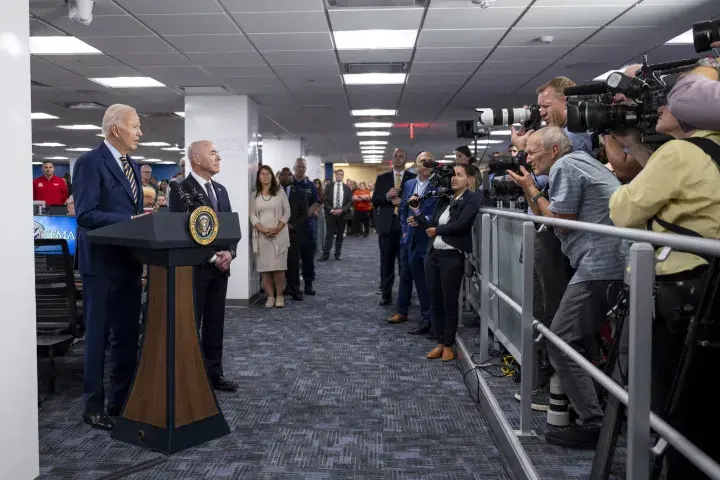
(420, 163)
(204, 158)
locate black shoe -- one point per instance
(338, 257)
(114, 410)
(298, 297)
(309, 290)
(384, 301)
(577, 437)
(324, 258)
(420, 329)
(222, 383)
(98, 420)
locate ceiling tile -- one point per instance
(678, 14)
(199, 24)
(51, 8)
(485, 37)
(622, 36)
(273, 6)
(274, 99)
(433, 79)
(143, 45)
(537, 53)
(375, 56)
(176, 7)
(437, 4)
(309, 90)
(443, 67)
(376, 19)
(308, 57)
(569, 16)
(81, 61)
(307, 71)
(465, 54)
(282, 22)
(227, 59)
(210, 43)
(247, 71)
(111, 26)
(157, 60)
(575, 3)
(669, 53)
(420, 89)
(594, 54)
(39, 28)
(570, 36)
(292, 41)
(253, 89)
(469, 18)
(166, 72)
(511, 68)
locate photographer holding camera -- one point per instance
(580, 189)
(678, 191)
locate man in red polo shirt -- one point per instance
(53, 190)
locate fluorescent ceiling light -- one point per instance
(49, 144)
(682, 39)
(341, 164)
(37, 163)
(372, 161)
(79, 127)
(501, 132)
(78, 149)
(489, 142)
(151, 160)
(373, 112)
(60, 46)
(374, 125)
(605, 75)
(173, 149)
(374, 78)
(372, 151)
(373, 133)
(137, 158)
(180, 114)
(374, 39)
(373, 142)
(128, 82)
(450, 156)
(168, 163)
(57, 158)
(42, 116)
(154, 144)
(372, 157)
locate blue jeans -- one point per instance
(412, 270)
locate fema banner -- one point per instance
(56, 227)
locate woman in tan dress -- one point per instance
(269, 214)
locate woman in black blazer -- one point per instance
(450, 231)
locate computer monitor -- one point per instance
(56, 227)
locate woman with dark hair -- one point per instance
(463, 156)
(269, 214)
(450, 231)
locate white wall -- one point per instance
(282, 152)
(19, 457)
(231, 122)
(315, 167)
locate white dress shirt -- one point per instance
(338, 185)
(439, 243)
(202, 182)
(116, 154)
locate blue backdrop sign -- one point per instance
(56, 227)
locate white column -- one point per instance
(281, 152)
(19, 457)
(231, 122)
(315, 167)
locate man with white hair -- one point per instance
(107, 190)
(580, 189)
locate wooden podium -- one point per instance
(171, 405)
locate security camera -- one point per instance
(81, 11)
(483, 3)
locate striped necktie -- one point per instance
(338, 189)
(127, 169)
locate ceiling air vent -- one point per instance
(82, 105)
(375, 3)
(211, 90)
(159, 115)
(375, 68)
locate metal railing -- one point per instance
(640, 419)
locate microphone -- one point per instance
(177, 188)
(589, 89)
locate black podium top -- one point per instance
(163, 238)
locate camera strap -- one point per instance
(713, 150)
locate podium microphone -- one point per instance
(177, 188)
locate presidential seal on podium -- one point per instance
(204, 225)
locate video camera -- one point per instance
(501, 190)
(440, 178)
(590, 107)
(529, 117)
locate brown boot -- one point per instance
(435, 352)
(397, 318)
(448, 355)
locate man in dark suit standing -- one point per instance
(386, 199)
(210, 279)
(107, 190)
(297, 227)
(338, 201)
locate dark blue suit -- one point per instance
(413, 248)
(111, 275)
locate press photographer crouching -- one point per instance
(580, 189)
(450, 232)
(678, 191)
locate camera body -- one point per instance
(440, 178)
(502, 188)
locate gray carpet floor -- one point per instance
(328, 390)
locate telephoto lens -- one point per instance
(705, 34)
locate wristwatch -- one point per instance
(537, 197)
(233, 254)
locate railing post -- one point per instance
(484, 287)
(642, 277)
(527, 346)
(495, 258)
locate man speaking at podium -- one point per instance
(210, 279)
(107, 190)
